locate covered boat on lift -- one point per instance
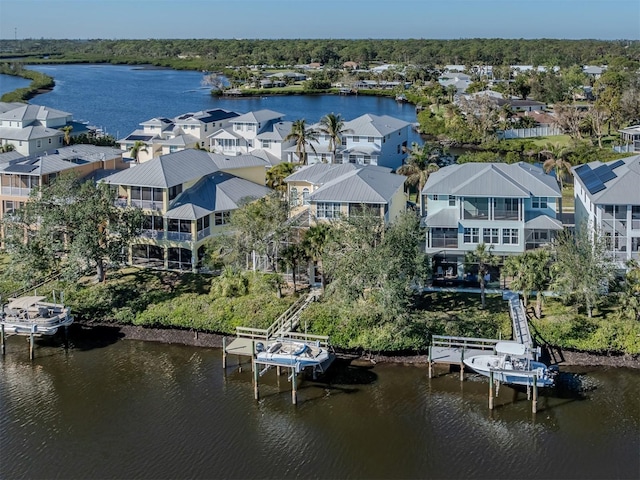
(292, 353)
(33, 315)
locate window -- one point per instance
(49, 141)
(510, 236)
(328, 210)
(471, 235)
(305, 196)
(539, 202)
(434, 197)
(371, 139)
(293, 198)
(490, 235)
(203, 223)
(221, 218)
(174, 191)
(452, 201)
(38, 143)
(356, 138)
(266, 143)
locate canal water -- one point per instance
(130, 409)
(117, 98)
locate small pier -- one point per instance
(245, 345)
(450, 350)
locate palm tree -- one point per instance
(557, 161)
(484, 258)
(138, 147)
(529, 272)
(277, 174)
(333, 126)
(290, 257)
(419, 166)
(9, 147)
(302, 136)
(67, 134)
(315, 242)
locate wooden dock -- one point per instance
(244, 345)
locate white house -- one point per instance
(366, 140)
(607, 201)
(510, 207)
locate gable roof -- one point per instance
(517, 180)
(611, 183)
(321, 173)
(217, 192)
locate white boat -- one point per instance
(511, 365)
(31, 314)
(291, 353)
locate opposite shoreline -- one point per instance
(100, 331)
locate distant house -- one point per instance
(186, 197)
(630, 137)
(366, 140)
(510, 207)
(329, 192)
(607, 200)
(34, 129)
(162, 135)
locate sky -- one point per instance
(349, 19)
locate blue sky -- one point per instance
(444, 19)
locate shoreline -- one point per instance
(105, 332)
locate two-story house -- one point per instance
(262, 130)
(329, 192)
(366, 140)
(19, 175)
(186, 197)
(34, 129)
(510, 207)
(607, 201)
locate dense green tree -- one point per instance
(277, 174)
(291, 256)
(630, 295)
(71, 225)
(556, 161)
(529, 272)
(315, 243)
(582, 269)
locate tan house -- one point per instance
(187, 197)
(332, 191)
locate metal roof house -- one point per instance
(511, 207)
(34, 129)
(607, 200)
(186, 197)
(20, 175)
(366, 140)
(329, 192)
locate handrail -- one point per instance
(50, 278)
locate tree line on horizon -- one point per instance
(218, 53)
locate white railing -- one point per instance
(529, 132)
(16, 191)
(153, 234)
(204, 233)
(147, 204)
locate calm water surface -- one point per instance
(117, 98)
(9, 83)
(129, 409)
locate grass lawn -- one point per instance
(568, 199)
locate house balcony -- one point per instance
(16, 191)
(121, 202)
(444, 242)
(179, 236)
(147, 204)
(202, 234)
(475, 214)
(505, 214)
(153, 234)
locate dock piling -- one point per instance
(491, 389)
(224, 353)
(31, 345)
(534, 403)
(294, 392)
(462, 365)
(430, 362)
(2, 339)
(256, 376)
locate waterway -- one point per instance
(117, 98)
(129, 409)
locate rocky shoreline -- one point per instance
(105, 332)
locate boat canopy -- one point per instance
(510, 348)
(23, 303)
